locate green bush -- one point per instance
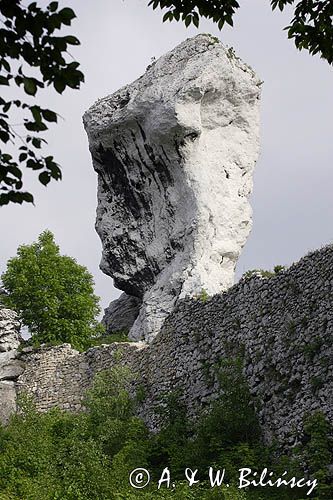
(51, 456)
(317, 452)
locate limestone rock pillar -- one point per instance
(174, 152)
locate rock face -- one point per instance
(121, 313)
(9, 330)
(10, 367)
(175, 152)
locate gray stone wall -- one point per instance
(60, 376)
(281, 326)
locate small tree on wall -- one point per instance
(52, 293)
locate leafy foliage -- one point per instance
(32, 56)
(317, 452)
(53, 294)
(58, 455)
(220, 12)
(311, 28)
(225, 437)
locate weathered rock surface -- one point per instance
(10, 366)
(175, 152)
(121, 313)
(9, 330)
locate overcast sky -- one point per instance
(292, 198)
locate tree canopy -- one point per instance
(33, 55)
(311, 26)
(52, 293)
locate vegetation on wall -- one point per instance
(263, 272)
(52, 293)
(57, 455)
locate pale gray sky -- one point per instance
(292, 199)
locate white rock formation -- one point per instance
(175, 152)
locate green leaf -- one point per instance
(5, 64)
(7, 107)
(23, 157)
(4, 80)
(32, 6)
(4, 199)
(44, 178)
(229, 20)
(36, 113)
(188, 20)
(49, 115)
(71, 40)
(53, 6)
(27, 197)
(4, 136)
(53, 168)
(14, 170)
(30, 86)
(18, 80)
(59, 85)
(36, 142)
(67, 15)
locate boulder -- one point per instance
(10, 367)
(174, 152)
(121, 313)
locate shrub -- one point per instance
(62, 456)
(317, 452)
